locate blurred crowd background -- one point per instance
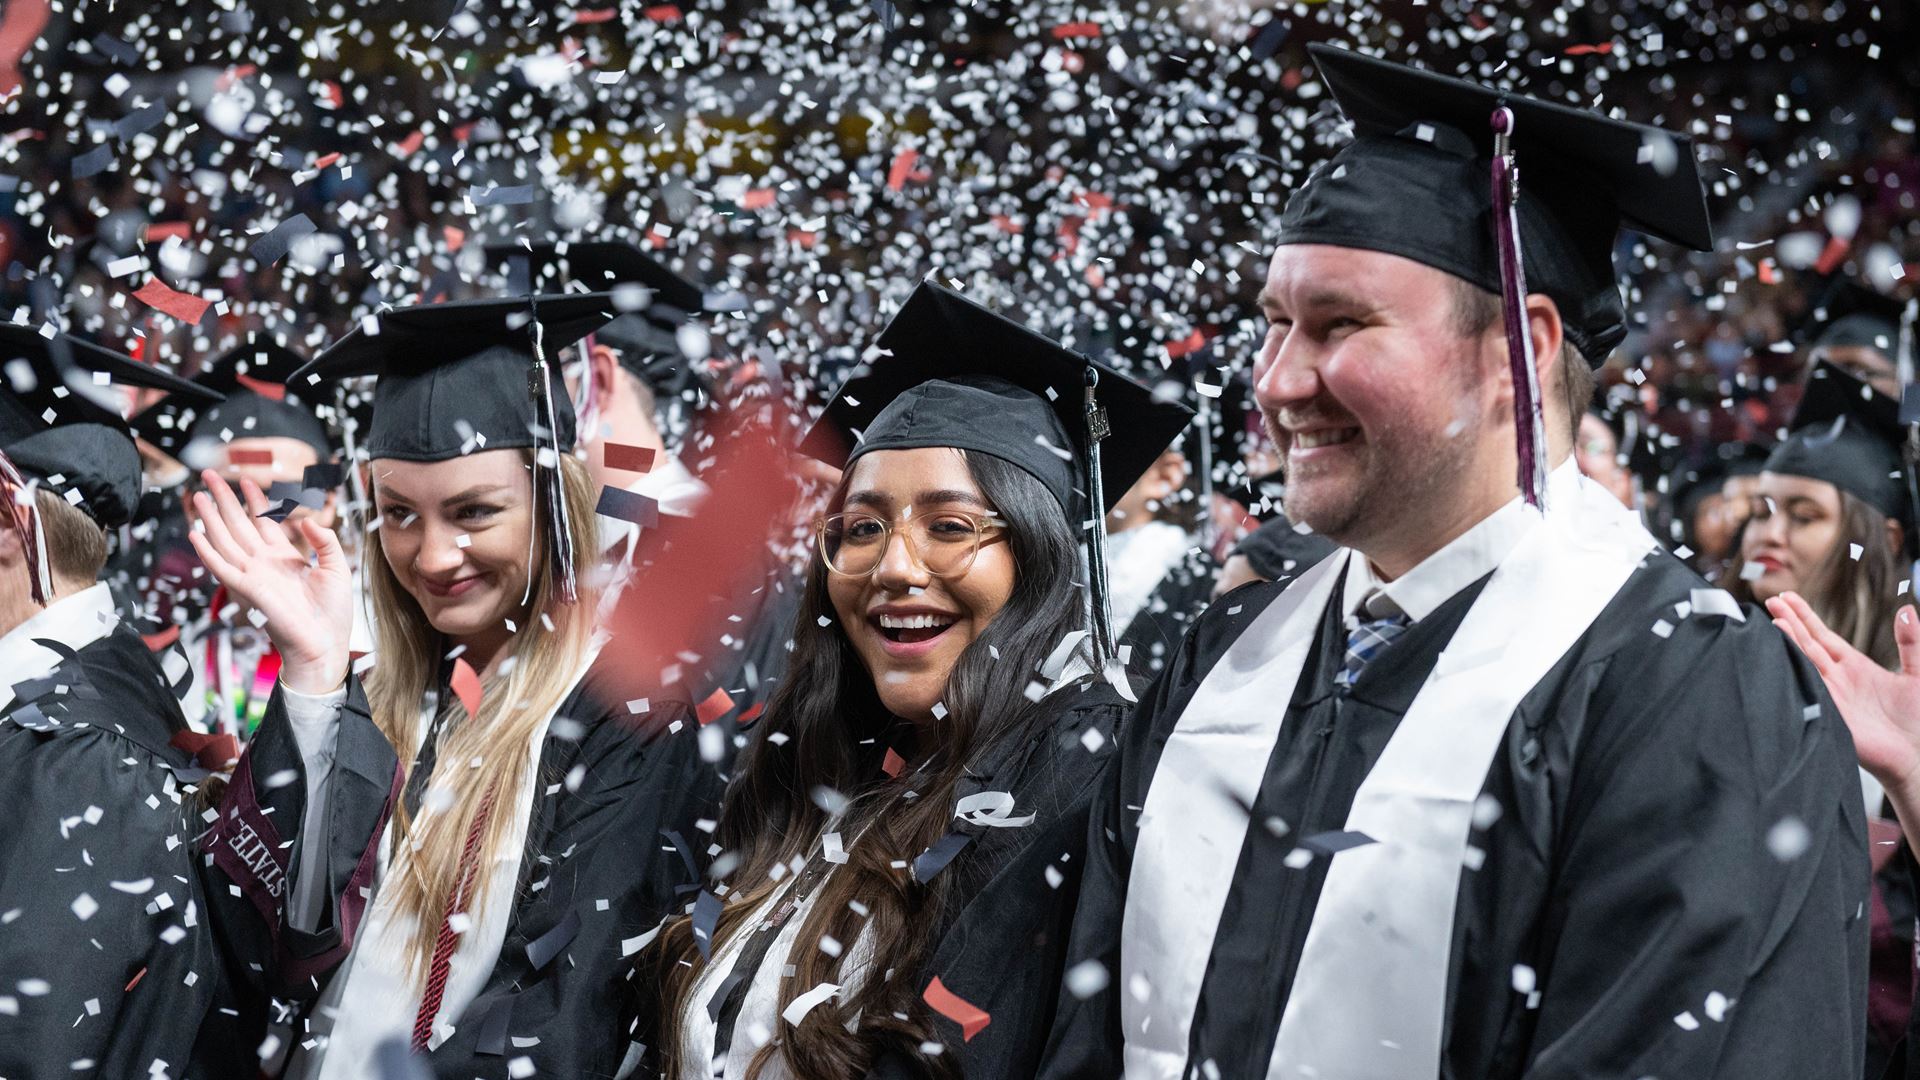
(1108, 172)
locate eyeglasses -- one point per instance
(944, 543)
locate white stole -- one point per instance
(1369, 997)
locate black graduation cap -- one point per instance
(960, 375)
(963, 376)
(1846, 433)
(1850, 314)
(253, 376)
(644, 338)
(60, 426)
(1728, 461)
(454, 377)
(1415, 182)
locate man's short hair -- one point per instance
(76, 547)
(1475, 309)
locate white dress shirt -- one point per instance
(1440, 576)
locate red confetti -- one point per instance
(248, 456)
(633, 459)
(902, 168)
(1768, 275)
(335, 98)
(466, 686)
(1096, 201)
(753, 713)
(717, 705)
(168, 230)
(272, 391)
(1007, 225)
(235, 74)
(137, 976)
(327, 160)
(1193, 341)
(597, 16)
(1074, 30)
(405, 147)
(663, 13)
(757, 199)
(183, 306)
(671, 607)
(892, 763)
(971, 1018)
(159, 641)
(1603, 49)
(1833, 256)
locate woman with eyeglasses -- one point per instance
(900, 847)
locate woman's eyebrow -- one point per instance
(882, 500)
(473, 492)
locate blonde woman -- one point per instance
(533, 829)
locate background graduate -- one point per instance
(904, 833)
(1831, 523)
(265, 432)
(539, 826)
(110, 969)
(1492, 793)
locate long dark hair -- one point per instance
(1857, 598)
(823, 740)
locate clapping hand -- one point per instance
(308, 605)
(1880, 707)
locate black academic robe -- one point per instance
(1633, 863)
(613, 841)
(1153, 635)
(107, 964)
(1003, 941)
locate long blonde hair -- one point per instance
(485, 757)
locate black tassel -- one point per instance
(1098, 429)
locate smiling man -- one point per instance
(1499, 790)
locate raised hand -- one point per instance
(308, 605)
(1881, 707)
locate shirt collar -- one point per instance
(1440, 576)
(75, 622)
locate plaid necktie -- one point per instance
(1366, 641)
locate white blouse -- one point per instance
(759, 1020)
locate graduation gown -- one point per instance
(611, 839)
(108, 967)
(1671, 878)
(1001, 940)
(1153, 634)
(1003, 943)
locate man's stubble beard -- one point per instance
(1402, 481)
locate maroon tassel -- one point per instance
(1529, 425)
(23, 517)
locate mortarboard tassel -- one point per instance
(547, 482)
(1097, 429)
(1203, 420)
(24, 517)
(1529, 424)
